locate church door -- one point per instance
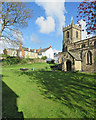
(68, 65)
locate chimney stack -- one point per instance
(20, 47)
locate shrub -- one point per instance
(4, 63)
(44, 58)
(2, 55)
(11, 60)
(23, 61)
(52, 61)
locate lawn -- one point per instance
(47, 94)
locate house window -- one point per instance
(29, 54)
(67, 34)
(10, 52)
(54, 54)
(20, 54)
(76, 34)
(26, 53)
(89, 58)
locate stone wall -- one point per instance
(36, 61)
(78, 65)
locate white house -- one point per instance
(48, 52)
(56, 56)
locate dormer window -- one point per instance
(67, 34)
(76, 34)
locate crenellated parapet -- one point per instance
(79, 27)
(66, 27)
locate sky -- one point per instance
(45, 27)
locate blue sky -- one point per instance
(52, 16)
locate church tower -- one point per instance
(71, 34)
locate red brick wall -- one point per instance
(17, 53)
(8, 51)
(23, 53)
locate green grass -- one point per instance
(46, 94)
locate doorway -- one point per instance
(68, 65)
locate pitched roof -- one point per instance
(27, 49)
(75, 55)
(43, 50)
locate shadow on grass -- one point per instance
(75, 90)
(9, 107)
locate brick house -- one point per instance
(22, 52)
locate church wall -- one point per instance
(95, 60)
(88, 67)
(78, 65)
(74, 35)
(80, 47)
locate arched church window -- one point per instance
(89, 58)
(76, 34)
(83, 45)
(74, 45)
(95, 44)
(67, 34)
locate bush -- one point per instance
(11, 60)
(51, 62)
(44, 58)
(2, 55)
(23, 61)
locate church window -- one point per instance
(89, 58)
(74, 45)
(76, 34)
(67, 34)
(83, 45)
(95, 44)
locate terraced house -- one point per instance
(22, 52)
(77, 54)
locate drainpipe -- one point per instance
(82, 61)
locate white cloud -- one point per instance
(55, 9)
(46, 26)
(34, 38)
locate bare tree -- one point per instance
(13, 15)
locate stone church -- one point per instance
(77, 54)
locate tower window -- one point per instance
(89, 58)
(76, 34)
(67, 34)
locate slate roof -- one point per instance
(43, 50)
(27, 49)
(75, 55)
